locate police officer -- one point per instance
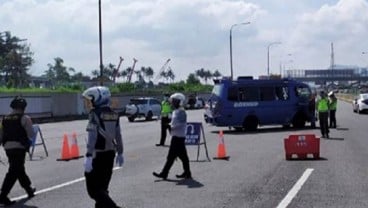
(332, 104)
(104, 140)
(16, 134)
(177, 146)
(322, 108)
(165, 119)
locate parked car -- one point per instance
(360, 103)
(146, 107)
(195, 102)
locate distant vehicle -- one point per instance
(145, 107)
(246, 103)
(195, 102)
(360, 103)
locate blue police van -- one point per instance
(247, 103)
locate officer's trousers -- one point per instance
(165, 126)
(98, 180)
(332, 118)
(16, 171)
(323, 123)
(177, 149)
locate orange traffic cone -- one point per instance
(74, 149)
(65, 152)
(221, 150)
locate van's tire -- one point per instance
(250, 123)
(298, 121)
(149, 116)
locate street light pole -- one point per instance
(231, 47)
(268, 57)
(100, 41)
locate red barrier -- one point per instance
(301, 145)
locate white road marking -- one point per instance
(56, 187)
(293, 191)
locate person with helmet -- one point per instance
(332, 103)
(16, 135)
(104, 140)
(177, 145)
(322, 108)
(165, 119)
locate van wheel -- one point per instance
(149, 116)
(298, 121)
(250, 123)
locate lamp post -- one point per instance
(100, 41)
(231, 46)
(268, 57)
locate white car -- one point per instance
(360, 103)
(146, 107)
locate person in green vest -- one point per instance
(332, 105)
(322, 108)
(166, 111)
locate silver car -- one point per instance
(360, 103)
(146, 107)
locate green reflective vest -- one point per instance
(332, 103)
(165, 108)
(322, 105)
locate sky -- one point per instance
(193, 34)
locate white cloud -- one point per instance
(194, 34)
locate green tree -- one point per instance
(192, 79)
(58, 74)
(15, 60)
(216, 74)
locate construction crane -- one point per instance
(116, 71)
(163, 68)
(132, 71)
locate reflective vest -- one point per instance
(333, 104)
(322, 105)
(165, 108)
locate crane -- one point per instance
(163, 68)
(116, 71)
(132, 71)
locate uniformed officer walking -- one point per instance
(104, 140)
(165, 119)
(322, 108)
(16, 134)
(332, 105)
(177, 146)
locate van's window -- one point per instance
(217, 89)
(248, 94)
(232, 94)
(267, 93)
(301, 91)
(282, 93)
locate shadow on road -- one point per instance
(21, 204)
(262, 130)
(191, 183)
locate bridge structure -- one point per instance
(321, 76)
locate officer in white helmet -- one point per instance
(177, 147)
(104, 141)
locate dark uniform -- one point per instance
(177, 146)
(104, 138)
(15, 136)
(332, 104)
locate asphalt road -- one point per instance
(257, 174)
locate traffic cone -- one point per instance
(74, 149)
(65, 152)
(221, 150)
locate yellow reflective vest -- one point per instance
(322, 105)
(165, 108)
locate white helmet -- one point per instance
(98, 95)
(178, 96)
(331, 93)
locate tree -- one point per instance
(15, 60)
(58, 74)
(192, 79)
(147, 72)
(216, 74)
